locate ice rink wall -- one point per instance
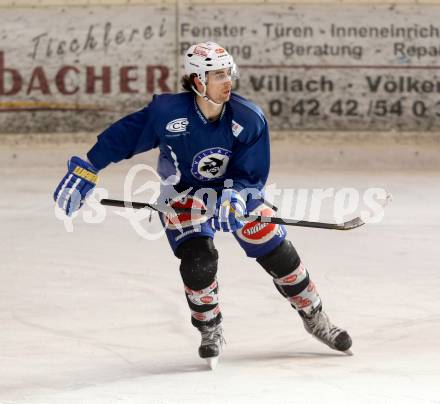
(314, 67)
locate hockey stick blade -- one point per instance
(349, 225)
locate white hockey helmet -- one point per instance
(208, 56)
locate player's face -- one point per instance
(219, 85)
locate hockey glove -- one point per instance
(230, 208)
(81, 177)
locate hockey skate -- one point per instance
(318, 324)
(211, 345)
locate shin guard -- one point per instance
(198, 269)
(291, 277)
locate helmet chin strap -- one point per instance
(205, 96)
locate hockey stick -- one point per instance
(349, 225)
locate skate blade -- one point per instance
(212, 362)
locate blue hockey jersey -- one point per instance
(199, 153)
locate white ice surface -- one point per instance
(99, 315)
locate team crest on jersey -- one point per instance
(210, 164)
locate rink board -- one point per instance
(310, 67)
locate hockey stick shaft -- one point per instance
(352, 224)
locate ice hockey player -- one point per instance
(209, 138)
